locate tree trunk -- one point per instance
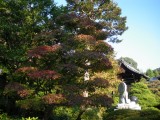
(80, 114)
(47, 112)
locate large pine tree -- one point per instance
(71, 62)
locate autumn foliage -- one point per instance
(54, 99)
(42, 50)
(26, 69)
(44, 74)
(51, 48)
(17, 89)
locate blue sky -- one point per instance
(141, 41)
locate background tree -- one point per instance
(150, 73)
(156, 73)
(158, 70)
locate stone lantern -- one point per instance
(85, 93)
(86, 76)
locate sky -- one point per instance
(141, 41)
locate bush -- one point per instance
(65, 113)
(93, 114)
(30, 118)
(154, 86)
(4, 116)
(30, 107)
(145, 97)
(30, 104)
(146, 114)
(72, 113)
(150, 113)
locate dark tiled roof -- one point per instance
(127, 65)
(154, 78)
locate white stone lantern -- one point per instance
(86, 76)
(85, 93)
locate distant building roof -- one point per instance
(130, 73)
(154, 78)
(133, 69)
(130, 67)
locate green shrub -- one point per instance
(146, 114)
(120, 114)
(150, 113)
(93, 114)
(4, 116)
(65, 113)
(154, 86)
(116, 100)
(71, 113)
(145, 97)
(30, 118)
(30, 104)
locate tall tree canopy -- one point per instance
(59, 46)
(20, 22)
(152, 73)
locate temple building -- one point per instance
(130, 74)
(154, 78)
